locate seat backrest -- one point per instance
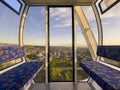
(8, 53)
(110, 52)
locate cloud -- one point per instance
(59, 13)
(64, 24)
(62, 17)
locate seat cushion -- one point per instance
(110, 52)
(8, 53)
(106, 77)
(17, 77)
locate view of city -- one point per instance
(61, 62)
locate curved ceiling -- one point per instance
(59, 2)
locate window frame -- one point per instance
(109, 7)
(12, 8)
(73, 39)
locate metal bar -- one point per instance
(75, 52)
(73, 59)
(22, 23)
(21, 28)
(88, 35)
(99, 25)
(47, 45)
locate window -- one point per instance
(9, 64)
(61, 52)
(111, 29)
(15, 5)
(105, 5)
(34, 38)
(9, 30)
(9, 25)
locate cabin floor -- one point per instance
(62, 86)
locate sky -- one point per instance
(60, 26)
(9, 25)
(14, 3)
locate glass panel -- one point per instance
(34, 38)
(9, 25)
(15, 4)
(61, 62)
(83, 53)
(9, 30)
(106, 4)
(111, 29)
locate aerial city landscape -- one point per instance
(61, 61)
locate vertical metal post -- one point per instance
(22, 23)
(21, 28)
(99, 25)
(47, 45)
(75, 52)
(73, 44)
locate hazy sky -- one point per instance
(9, 25)
(60, 26)
(14, 3)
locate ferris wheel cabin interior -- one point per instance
(59, 45)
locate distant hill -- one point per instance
(6, 44)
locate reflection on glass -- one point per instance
(34, 39)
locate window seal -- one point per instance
(12, 8)
(109, 7)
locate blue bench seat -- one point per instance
(106, 77)
(18, 77)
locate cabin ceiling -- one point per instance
(59, 2)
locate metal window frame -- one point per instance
(73, 44)
(99, 25)
(103, 11)
(12, 8)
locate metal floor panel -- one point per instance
(62, 86)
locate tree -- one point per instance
(56, 74)
(32, 56)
